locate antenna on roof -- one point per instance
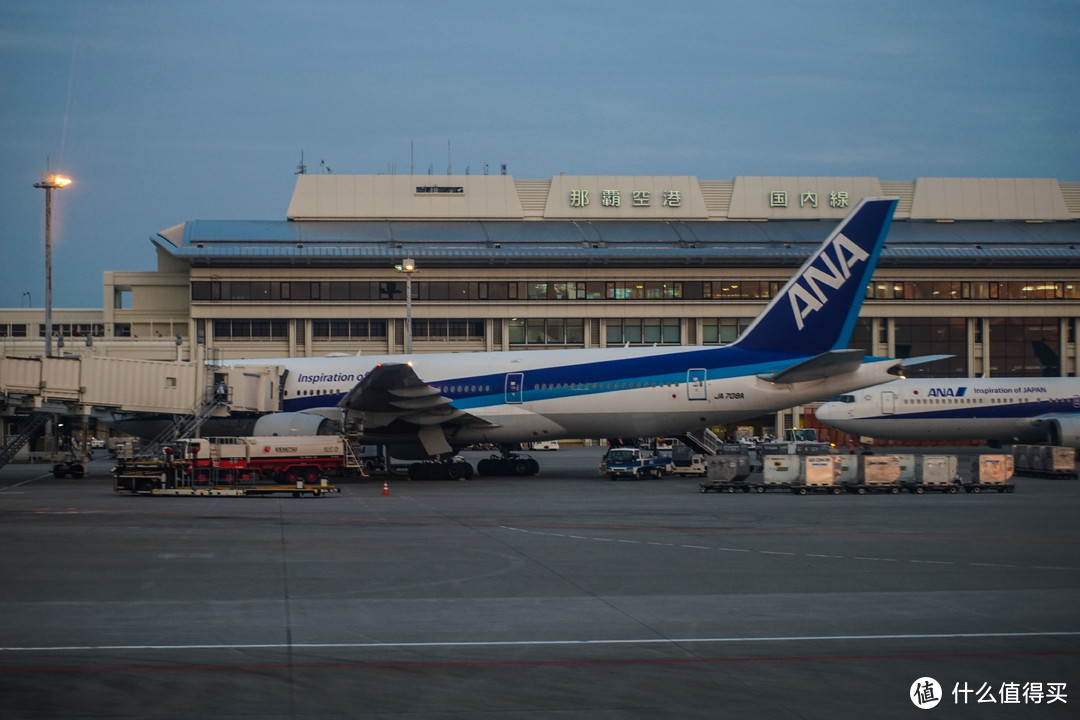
(449, 165)
(301, 169)
(322, 163)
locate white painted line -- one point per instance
(24, 482)
(543, 643)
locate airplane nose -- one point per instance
(827, 411)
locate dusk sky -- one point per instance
(168, 112)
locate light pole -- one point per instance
(408, 266)
(48, 183)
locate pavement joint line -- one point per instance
(778, 552)
(541, 643)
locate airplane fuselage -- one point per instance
(582, 393)
(996, 409)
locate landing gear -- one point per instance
(456, 468)
(508, 463)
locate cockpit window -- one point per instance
(843, 399)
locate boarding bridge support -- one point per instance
(28, 429)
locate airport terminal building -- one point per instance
(985, 269)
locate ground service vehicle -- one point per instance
(687, 462)
(628, 463)
(240, 466)
(272, 459)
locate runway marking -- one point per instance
(783, 553)
(552, 643)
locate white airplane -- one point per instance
(999, 410)
(430, 405)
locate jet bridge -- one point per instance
(93, 386)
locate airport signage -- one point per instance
(580, 198)
(837, 199)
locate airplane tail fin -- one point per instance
(816, 310)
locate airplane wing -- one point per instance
(923, 359)
(827, 364)
(392, 396)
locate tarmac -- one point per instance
(558, 596)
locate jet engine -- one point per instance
(1063, 430)
(294, 423)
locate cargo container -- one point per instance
(1051, 461)
(991, 472)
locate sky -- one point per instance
(166, 112)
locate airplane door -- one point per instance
(888, 402)
(515, 386)
(695, 384)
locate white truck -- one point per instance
(630, 463)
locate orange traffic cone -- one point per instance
(385, 488)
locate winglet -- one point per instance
(816, 310)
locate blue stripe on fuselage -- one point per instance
(545, 383)
(999, 412)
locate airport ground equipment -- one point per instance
(685, 461)
(835, 474)
(936, 473)
(297, 465)
(1048, 461)
(172, 477)
(630, 463)
(991, 473)
(269, 458)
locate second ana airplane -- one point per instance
(430, 405)
(999, 410)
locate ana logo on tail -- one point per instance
(806, 295)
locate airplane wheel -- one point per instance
(521, 467)
(455, 471)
